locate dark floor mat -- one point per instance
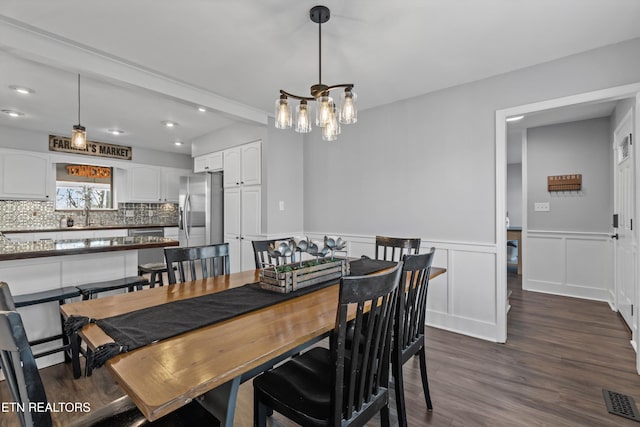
(621, 404)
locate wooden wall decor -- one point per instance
(571, 182)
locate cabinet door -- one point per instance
(234, 252)
(171, 184)
(208, 163)
(250, 221)
(247, 259)
(144, 184)
(232, 175)
(25, 176)
(200, 164)
(250, 167)
(232, 211)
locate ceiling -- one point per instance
(147, 61)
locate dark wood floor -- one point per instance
(561, 352)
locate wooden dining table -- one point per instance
(211, 362)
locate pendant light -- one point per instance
(327, 116)
(79, 133)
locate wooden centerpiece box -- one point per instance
(290, 277)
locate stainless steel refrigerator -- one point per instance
(201, 211)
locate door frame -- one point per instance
(609, 94)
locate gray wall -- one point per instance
(426, 166)
(284, 177)
(578, 147)
(20, 139)
(514, 194)
(282, 171)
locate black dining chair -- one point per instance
(263, 257)
(339, 386)
(394, 248)
(408, 335)
(27, 389)
(197, 262)
(70, 347)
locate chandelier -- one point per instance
(328, 117)
(79, 133)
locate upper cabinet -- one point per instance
(242, 165)
(208, 163)
(25, 175)
(154, 184)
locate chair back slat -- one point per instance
(197, 262)
(412, 299)
(394, 248)
(263, 257)
(362, 371)
(20, 370)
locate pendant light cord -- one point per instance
(78, 99)
(320, 52)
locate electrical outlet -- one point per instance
(129, 213)
(281, 204)
(541, 207)
(151, 213)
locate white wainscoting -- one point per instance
(464, 299)
(575, 264)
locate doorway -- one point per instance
(611, 94)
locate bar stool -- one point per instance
(89, 290)
(155, 269)
(60, 295)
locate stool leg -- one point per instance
(74, 346)
(152, 280)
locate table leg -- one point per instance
(221, 401)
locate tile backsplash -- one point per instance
(33, 215)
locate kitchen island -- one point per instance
(43, 265)
(46, 248)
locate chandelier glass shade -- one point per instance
(79, 133)
(328, 115)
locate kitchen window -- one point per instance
(83, 186)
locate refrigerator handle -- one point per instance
(187, 214)
(181, 219)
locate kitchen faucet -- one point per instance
(87, 209)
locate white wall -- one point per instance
(426, 167)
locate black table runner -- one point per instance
(149, 325)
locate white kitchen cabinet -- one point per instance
(25, 175)
(242, 224)
(242, 165)
(153, 184)
(145, 184)
(171, 184)
(208, 163)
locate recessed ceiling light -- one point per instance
(514, 118)
(13, 113)
(202, 109)
(115, 131)
(178, 143)
(169, 124)
(22, 89)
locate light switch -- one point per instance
(541, 207)
(281, 204)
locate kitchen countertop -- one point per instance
(48, 248)
(89, 227)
